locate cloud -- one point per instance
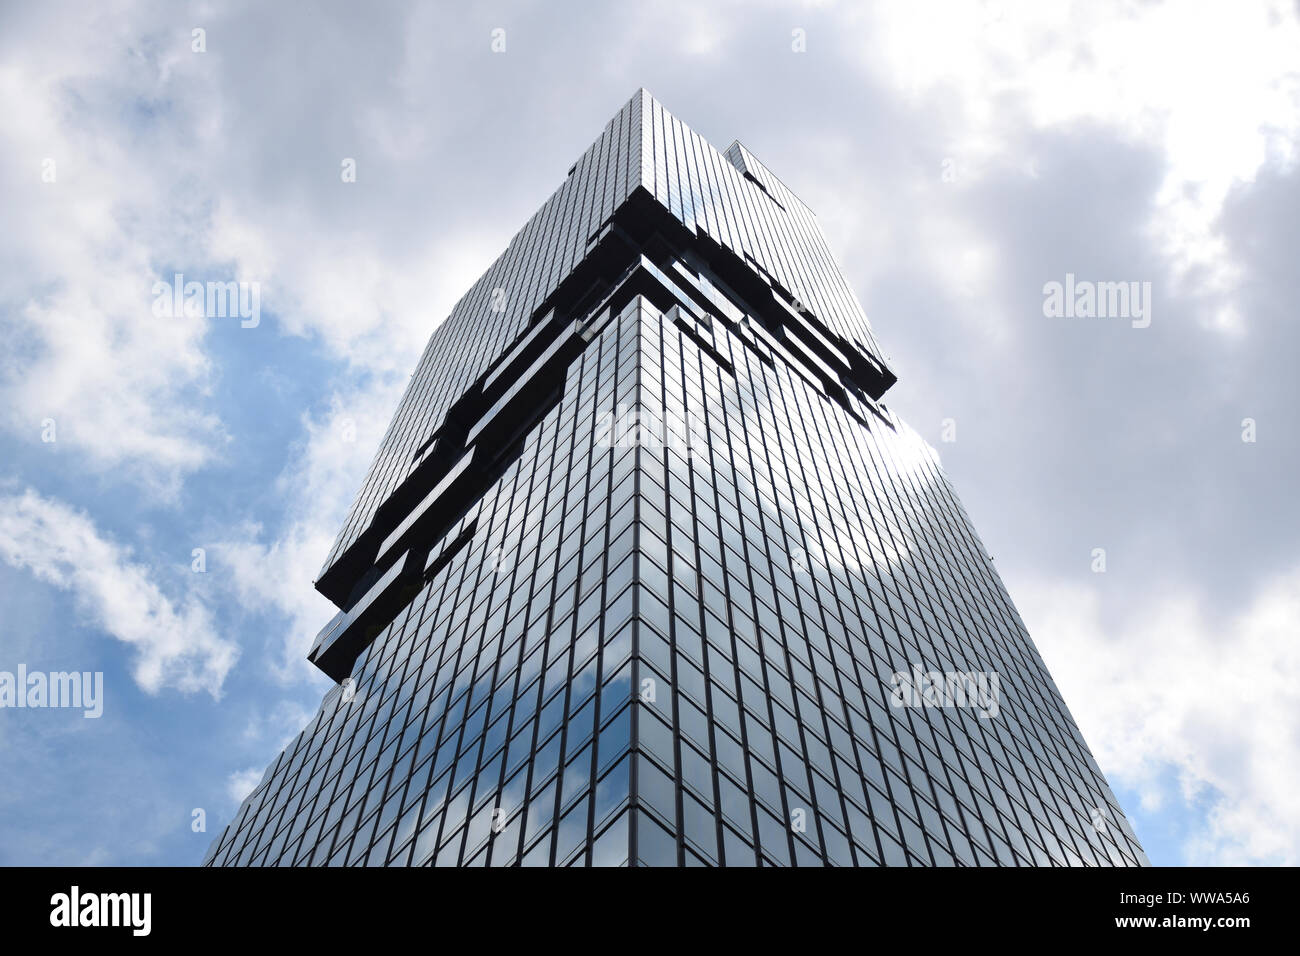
(1215, 89)
(91, 188)
(1163, 688)
(115, 172)
(242, 782)
(280, 726)
(175, 644)
(273, 571)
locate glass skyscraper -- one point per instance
(644, 572)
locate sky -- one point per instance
(170, 484)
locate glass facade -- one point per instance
(644, 573)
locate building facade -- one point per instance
(644, 572)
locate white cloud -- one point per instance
(1214, 88)
(243, 782)
(1166, 689)
(80, 256)
(175, 643)
(373, 307)
(140, 132)
(275, 572)
(280, 725)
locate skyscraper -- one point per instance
(645, 572)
